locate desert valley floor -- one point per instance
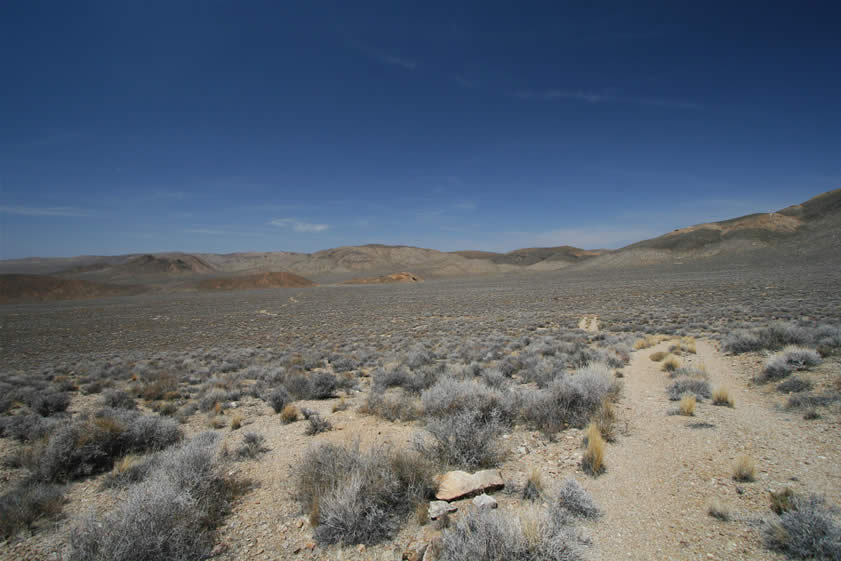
(475, 373)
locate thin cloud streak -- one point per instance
(595, 97)
(382, 56)
(298, 225)
(45, 211)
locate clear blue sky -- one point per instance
(241, 125)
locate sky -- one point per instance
(223, 126)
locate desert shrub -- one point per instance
(412, 382)
(394, 404)
(26, 428)
(118, 399)
(298, 385)
(772, 337)
(27, 503)
(360, 497)
(317, 423)
(131, 469)
(279, 398)
(252, 445)
(808, 530)
(492, 535)
(172, 514)
(658, 356)
(809, 400)
(592, 461)
(790, 359)
(466, 439)
(698, 388)
(158, 385)
(573, 500)
(48, 404)
(450, 397)
(794, 385)
(744, 469)
(571, 400)
(323, 385)
(90, 445)
(689, 372)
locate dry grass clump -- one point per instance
(649, 341)
(317, 423)
(721, 396)
(670, 364)
(606, 420)
(658, 356)
(289, 414)
(361, 497)
(687, 405)
(781, 501)
(744, 469)
(236, 421)
(593, 459)
(718, 510)
(533, 489)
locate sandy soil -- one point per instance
(663, 475)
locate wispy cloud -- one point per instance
(298, 225)
(382, 56)
(220, 232)
(599, 97)
(45, 211)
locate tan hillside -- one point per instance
(260, 280)
(385, 279)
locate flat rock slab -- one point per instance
(457, 484)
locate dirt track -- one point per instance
(662, 476)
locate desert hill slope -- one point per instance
(385, 279)
(258, 280)
(811, 230)
(536, 257)
(42, 288)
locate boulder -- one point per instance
(439, 508)
(485, 502)
(457, 484)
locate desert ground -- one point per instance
(318, 422)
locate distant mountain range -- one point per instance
(811, 230)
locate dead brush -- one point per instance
(289, 414)
(722, 397)
(592, 461)
(533, 489)
(782, 501)
(745, 469)
(670, 364)
(658, 356)
(606, 421)
(687, 405)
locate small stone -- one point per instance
(485, 502)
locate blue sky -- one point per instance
(254, 126)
